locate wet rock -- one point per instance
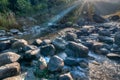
(9, 70)
(76, 50)
(37, 42)
(14, 31)
(106, 39)
(47, 50)
(62, 55)
(4, 45)
(19, 44)
(8, 57)
(59, 43)
(55, 64)
(66, 76)
(103, 51)
(66, 69)
(97, 46)
(46, 42)
(88, 44)
(117, 38)
(113, 56)
(29, 47)
(71, 62)
(104, 33)
(71, 36)
(31, 54)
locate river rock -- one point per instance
(19, 44)
(117, 38)
(47, 50)
(104, 32)
(113, 56)
(37, 42)
(76, 50)
(106, 39)
(71, 36)
(31, 54)
(55, 64)
(71, 62)
(4, 45)
(66, 76)
(8, 57)
(59, 43)
(14, 31)
(97, 46)
(46, 42)
(9, 70)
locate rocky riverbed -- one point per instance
(89, 52)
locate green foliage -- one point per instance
(3, 5)
(7, 21)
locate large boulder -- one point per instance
(66, 76)
(55, 64)
(8, 57)
(76, 50)
(9, 70)
(59, 43)
(47, 50)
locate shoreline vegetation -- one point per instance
(13, 10)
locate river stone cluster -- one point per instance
(64, 58)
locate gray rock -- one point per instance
(106, 39)
(104, 33)
(71, 36)
(8, 57)
(37, 42)
(14, 31)
(76, 50)
(55, 64)
(117, 38)
(71, 62)
(47, 50)
(97, 46)
(19, 44)
(9, 70)
(4, 45)
(46, 42)
(59, 43)
(31, 54)
(113, 56)
(66, 76)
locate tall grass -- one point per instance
(8, 21)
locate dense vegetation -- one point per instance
(10, 8)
